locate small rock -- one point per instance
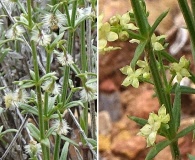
(110, 102)
(128, 148)
(104, 143)
(105, 125)
(107, 86)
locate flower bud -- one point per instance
(114, 20)
(123, 36)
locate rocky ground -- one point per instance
(117, 134)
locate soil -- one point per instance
(118, 138)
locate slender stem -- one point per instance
(65, 84)
(141, 18)
(46, 96)
(46, 99)
(70, 50)
(29, 14)
(190, 22)
(175, 151)
(83, 48)
(74, 10)
(57, 147)
(22, 8)
(38, 87)
(164, 98)
(85, 117)
(67, 13)
(193, 8)
(159, 85)
(90, 69)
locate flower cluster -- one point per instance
(180, 69)
(105, 34)
(14, 32)
(33, 148)
(20, 95)
(61, 127)
(64, 59)
(155, 40)
(133, 76)
(113, 30)
(40, 37)
(54, 20)
(150, 130)
(89, 92)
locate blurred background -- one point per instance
(117, 134)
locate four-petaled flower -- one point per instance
(105, 34)
(132, 76)
(150, 130)
(180, 69)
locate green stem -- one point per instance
(46, 95)
(159, 85)
(193, 8)
(164, 98)
(74, 11)
(29, 14)
(38, 87)
(57, 147)
(67, 13)
(39, 101)
(141, 18)
(83, 48)
(46, 99)
(70, 51)
(190, 22)
(175, 151)
(65, 84)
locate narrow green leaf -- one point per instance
(78, 21)
(50, 131)
(134, 35)
(69, 140)
(34, 131)
(83, 123)
(138, 120)
(32, 73)
(185, 131)
(3, 54)
(157, 22)
(45, 142)
(138, 52)
(177, 107)
(51, 103)
(156, 149)
(73, 104)
(93, 142)
(168, 56)
(184, 90)
(28, 108)
(9, 130)
(27, 85)
(54, 43)
(64, 151)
